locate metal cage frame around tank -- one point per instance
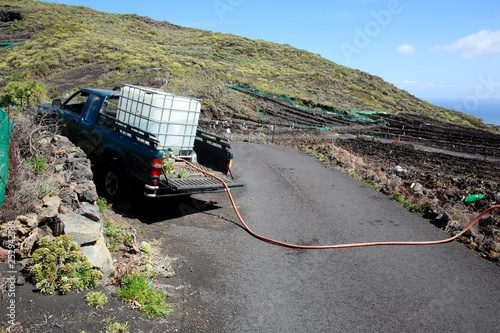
(174, 127)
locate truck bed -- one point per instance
(191, 182)
(196, 180)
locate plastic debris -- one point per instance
(475, 197)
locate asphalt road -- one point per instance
(254, 286)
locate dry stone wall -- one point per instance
(70, 209)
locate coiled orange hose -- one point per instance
(337, 246)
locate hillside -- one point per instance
(68, 47)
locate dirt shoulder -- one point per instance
(181, 272)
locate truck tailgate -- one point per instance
(193, 180)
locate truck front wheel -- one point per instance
(113, 182)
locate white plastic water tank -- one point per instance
(172, 118)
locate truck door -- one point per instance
(71, 112)
(87, 139)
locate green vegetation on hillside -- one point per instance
(68, 47)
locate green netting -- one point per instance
(359, 116)
(287, 99)
(5, 130)
(370, 112)
(281, 122)
(7, 45)
(356, 115)
(361, 113)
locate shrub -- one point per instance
(117, 327)
(145, 248)
(59, 266)
(101, 203)
(6, 100)
(30, 174)
(116, 235)
(24, 93)
(96, 299)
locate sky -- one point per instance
(442, 51)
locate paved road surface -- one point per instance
(259, 287)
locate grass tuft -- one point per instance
(136, 289)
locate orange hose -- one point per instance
(337, 246)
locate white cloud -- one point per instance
(407, 49)
(485, 42)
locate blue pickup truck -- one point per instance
(125, 156)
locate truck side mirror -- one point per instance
(56, 103)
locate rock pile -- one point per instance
(72, 210)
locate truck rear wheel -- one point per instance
(113, 182)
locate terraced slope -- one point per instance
(69, 47)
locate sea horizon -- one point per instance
(487, 109)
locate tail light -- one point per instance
(155, 170)
(229, 166)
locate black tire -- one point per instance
(113, 182)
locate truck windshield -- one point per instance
(76, 103)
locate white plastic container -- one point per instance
(172, 118)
